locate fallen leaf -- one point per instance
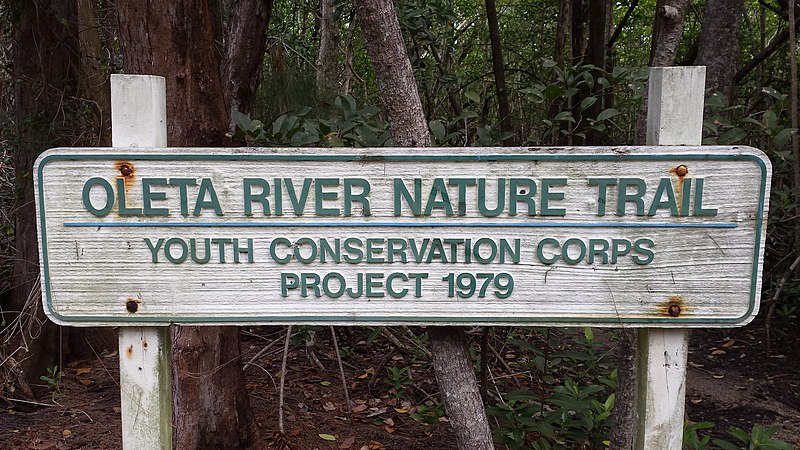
(83, 370)
(375, 445)
(696, 401)
(718, 352)
(402, 410)
(329, 406)
(728, 344)
(85, 382)
(327, 437)
(325, 383)
(359, 408)
(389, 422)
(719, 376)
(117, 409)
(66, 433)
(388, 429)
(347, 443)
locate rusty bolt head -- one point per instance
(681, 170)
(132, 306)
(674, 310)
(125, 170)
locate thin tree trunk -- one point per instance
(596, 55)
(718, 48)
(454, 372)
(175, 40)
(563, 32)
(398, 89)
(46, 62)
(765, 53)
(667, 29)
(497, 66)
(245, 44)
(579, 32)
(94, 76)
(793, 103)
(328, 59)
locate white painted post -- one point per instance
(674, 117)
(139, 119)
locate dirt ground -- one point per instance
(732, 381)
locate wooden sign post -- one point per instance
(659, 238)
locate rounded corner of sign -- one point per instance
(55, 317)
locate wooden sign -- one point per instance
(622, 236)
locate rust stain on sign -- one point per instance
(674, 307)
(680, 172)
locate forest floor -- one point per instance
(732, 381)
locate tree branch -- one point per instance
(764, 54)
(622, 23)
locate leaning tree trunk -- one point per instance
(46, 61)
(328, 59)
(245, 44)
(719, 44)
(175, 40)
(398, 90)
(497, 66)
(667, 29)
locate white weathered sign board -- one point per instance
(623, 236)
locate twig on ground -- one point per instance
(505, 365)
(260, 353)
(283, 379)
(341, 370)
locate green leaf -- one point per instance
(726, 445)
(606, 114)
(437, 130)
(472, 96)
(241, 120)
(732, 136)
(588, 102)
(564, 115)
(782, 138)
(327, 437)
(547, 63)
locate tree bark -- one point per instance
(563, 32)
(328, 59)
(667, 29)
(175, 40)
(94, 81)
(245, 44)
(497, 66)
(46, 64)
(456, 379)
(793, 104)
(454, 373)
(596, 55)
(398, 89)
(718, 46)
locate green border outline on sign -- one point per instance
(188, 320)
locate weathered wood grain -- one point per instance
(710, 266)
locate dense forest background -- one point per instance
(301, 73)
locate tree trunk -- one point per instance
(328, 59)
(563, 33)
(175, 40)
(456, 379)
(596, 55)
(497, 66)
(398, 89)
(245, 44)
(94, 76)
(46, 61)
(718, 49)
(579, 32)
(793, 105)
(454, 373)
(667, 29)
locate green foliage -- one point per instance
(53, 380)
(429, 415)
(578, 411)
(351, 126)
(759, 438)
(690, 437)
